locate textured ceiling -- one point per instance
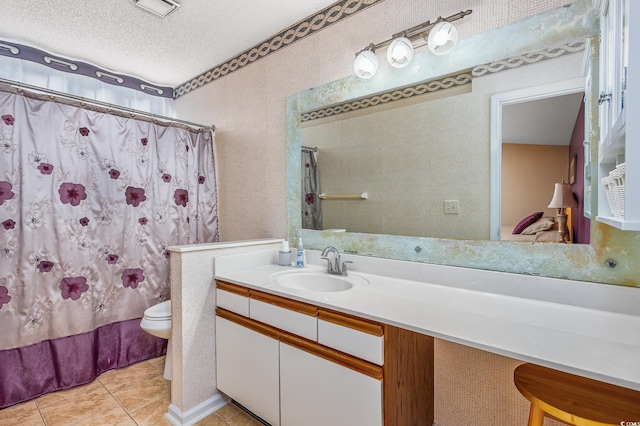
(115, 35)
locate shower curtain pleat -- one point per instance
(311, 210)
(89, 204)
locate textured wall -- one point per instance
(193, 321)
(248, 108)
(529, 173)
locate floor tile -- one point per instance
(152, 414)
(229, 411)
(142, 393)
(235, 416)
(25, 414)
(158, 363)
(125, 377)
(212, 420)
(112, 416)
(79, 404)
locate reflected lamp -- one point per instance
(562, 199)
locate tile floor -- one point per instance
(135, 395)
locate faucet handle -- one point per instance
(329, 263)
(343, 271)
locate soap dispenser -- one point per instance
(284, 255)
(301, 259)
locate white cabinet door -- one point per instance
(247, 369)
(318, 392)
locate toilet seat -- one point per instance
(157, 322)
(159, 312)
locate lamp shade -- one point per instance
(365, 64)
(562, 197)
(400, 52)
(442, 38)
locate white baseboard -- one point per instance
(176, 417)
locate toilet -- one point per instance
(157, 322)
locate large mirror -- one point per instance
(457, 143)
(424, 161)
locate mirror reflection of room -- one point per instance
(542, 148)
(425, 162)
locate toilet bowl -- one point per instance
(157, 322)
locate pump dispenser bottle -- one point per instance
(301, 259)
(284, 255)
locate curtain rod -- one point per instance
(19, 85)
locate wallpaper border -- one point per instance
(319, 21)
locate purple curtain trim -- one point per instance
(53, 365)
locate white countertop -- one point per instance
(582, 328)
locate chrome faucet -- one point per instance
(334, 266)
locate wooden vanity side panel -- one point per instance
(408, 378)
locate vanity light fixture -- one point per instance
(366, 64)
(441, 36)
(161, 8)
(400, 52)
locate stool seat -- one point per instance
(573, 399)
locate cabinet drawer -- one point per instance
(232, 297)
(353, 342)
(299, 323)
(232, 302)
(353, 335)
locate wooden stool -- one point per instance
(575, 400)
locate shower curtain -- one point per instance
(311, 211)
(90, 201)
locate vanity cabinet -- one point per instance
(331, 367)
(250, 359)
(619, 107)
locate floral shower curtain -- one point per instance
(311, 212)
(89, 203)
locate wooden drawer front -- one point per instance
(294, 322)
(232, 302)
(357, 343)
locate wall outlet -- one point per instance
(451, 207)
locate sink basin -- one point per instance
(315, 281)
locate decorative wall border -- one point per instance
(527, 59)
(443, 83)
(326, 17)
(446, 82)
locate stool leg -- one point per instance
(536, 415)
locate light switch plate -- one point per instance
(451, 207)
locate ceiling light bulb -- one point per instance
(400, 52)
(442, 38)
(365, 64)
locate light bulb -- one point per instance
(366, 64)
(442, 38)
(400, 52)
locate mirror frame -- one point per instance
(608, 259)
